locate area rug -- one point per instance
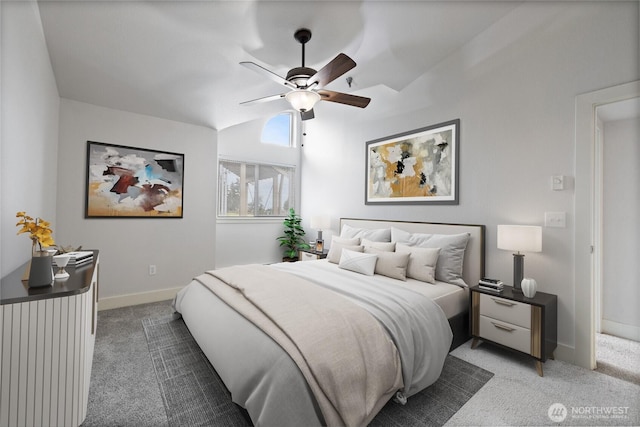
(194, 395)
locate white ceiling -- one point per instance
(180, 59)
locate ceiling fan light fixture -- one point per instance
(302, 99)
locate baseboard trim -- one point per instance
(621, 330)
(108, 303)
(565, 353)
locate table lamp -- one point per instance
(525, 238)
(320, 222)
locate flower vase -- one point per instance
(41, 270)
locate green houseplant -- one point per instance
(293, 238)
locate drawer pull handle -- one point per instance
(504, 328)
(501, 302)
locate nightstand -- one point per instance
(310, 255)
(527, 325)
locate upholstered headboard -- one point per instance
(473, 268)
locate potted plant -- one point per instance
(293, 238)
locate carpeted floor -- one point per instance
(124, 390)
(194, 395)
(618, 357)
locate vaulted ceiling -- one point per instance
(180, 59)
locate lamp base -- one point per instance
(518, 271)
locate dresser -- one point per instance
(46, 353)
(527, 325)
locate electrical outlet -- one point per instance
(152, 270)
(555, 219)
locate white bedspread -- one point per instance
(415, 323)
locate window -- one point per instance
(278, 131)
(254, 190)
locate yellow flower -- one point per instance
(39, 230)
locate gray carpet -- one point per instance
(194, 395)
(618, 357)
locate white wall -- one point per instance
(246, 241)
(621, 211)
(180, 248)
(29, 135)
(514, 89)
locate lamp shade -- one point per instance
(320, 222)
(521, 238)
(302, 99)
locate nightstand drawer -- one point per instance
(507, 334)
(307, 256)
(505, 310)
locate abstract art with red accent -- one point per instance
(130, 182)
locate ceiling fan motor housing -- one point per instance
(300, 75)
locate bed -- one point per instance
(330, 342)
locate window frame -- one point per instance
(292, 129)
(292, 193)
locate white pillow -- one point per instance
(345, 241)
(451, 258)
(398, 235)
(383, 246)
(422, 262)
(390, 264)
(411, 239)
(358, 262)
(377, 235)
(336, 251)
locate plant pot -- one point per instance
(41, 270)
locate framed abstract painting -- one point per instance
(419, 166)
(128, 182)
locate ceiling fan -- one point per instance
(306, 84)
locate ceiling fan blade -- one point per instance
(265, 99)
(334, 69)
(273, 76)
(344, 98)
(307, 115)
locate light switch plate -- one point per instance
(555, 219)
(557, 182)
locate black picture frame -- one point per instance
(130, 182)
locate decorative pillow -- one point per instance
(422, 262)
(398, 235)
(358, 262)
(376, 235)
(411, 239)
(390, 264)
(451, 258)
(345, 241)
(336, 251)
(383, 246)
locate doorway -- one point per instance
(588, 217)
(617, 233)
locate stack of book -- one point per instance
(79, 258)
(493, 285)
